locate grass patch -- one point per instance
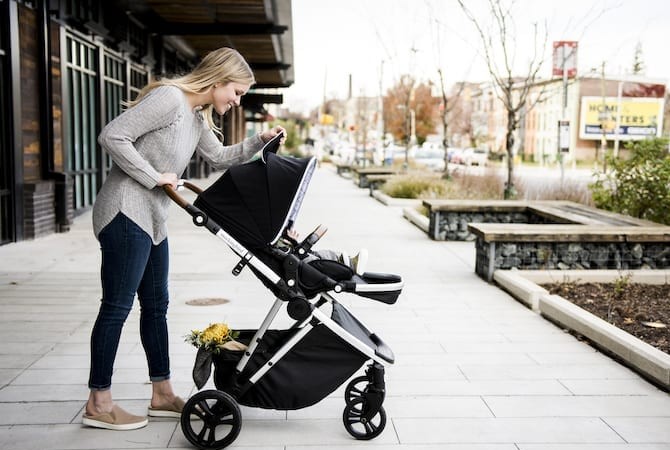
(488, 186)
(570, 190)
(416, 185)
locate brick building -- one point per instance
(66, 66)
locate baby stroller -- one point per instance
(249, 207)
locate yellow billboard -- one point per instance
(637, 118)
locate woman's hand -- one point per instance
(168, 178)
(272, 132)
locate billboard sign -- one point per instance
(564, 58)
(638, 118)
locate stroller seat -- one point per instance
(257, 202)
(382, 287)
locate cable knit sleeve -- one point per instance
(160, 108)
(223, 156)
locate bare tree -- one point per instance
(448, 106)
(638, 60)
(513, 91)
(447, 102)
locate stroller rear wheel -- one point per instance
(211, 419)
(361, 422)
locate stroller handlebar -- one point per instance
(178, 199)
(199, 218)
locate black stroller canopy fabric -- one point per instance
(254, 202)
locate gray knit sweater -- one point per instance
(158, 135)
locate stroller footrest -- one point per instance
(382, 350)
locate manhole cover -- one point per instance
(207, 301)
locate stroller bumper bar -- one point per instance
(383, 287)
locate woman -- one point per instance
(150, 143)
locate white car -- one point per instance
(431, 158)
(475, 157)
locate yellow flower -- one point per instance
(211, 338)
(216, 333)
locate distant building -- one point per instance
(488, 119)
(610, 111)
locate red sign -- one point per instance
(565, 58)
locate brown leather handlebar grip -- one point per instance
(178, 199)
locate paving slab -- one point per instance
(496, 430)
(475, 369)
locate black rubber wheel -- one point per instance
(211, 420)
(357, 425)
(356, 388)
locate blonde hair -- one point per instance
(224, 65)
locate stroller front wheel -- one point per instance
(211, 419)
(362, 423)
(356, 388)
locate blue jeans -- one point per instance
(130, 264)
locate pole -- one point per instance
(408, 131)
(618, 118)
(380, 115)
(603, 117)
(563, 112)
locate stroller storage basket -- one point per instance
(312, 369)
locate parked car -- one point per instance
(475, 157)
(455, 155)
(431, 158)
(399, 151)
(344, 153)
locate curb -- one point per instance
(521, 288)
(631, 351)
(392, 201)
(416, 218)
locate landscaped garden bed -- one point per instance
(643, 310)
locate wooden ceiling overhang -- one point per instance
(261, 30)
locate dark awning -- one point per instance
(261, 30)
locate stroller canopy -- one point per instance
(255, 201)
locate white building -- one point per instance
(601, 112)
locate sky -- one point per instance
(378, 41)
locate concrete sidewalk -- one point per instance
(475, 369)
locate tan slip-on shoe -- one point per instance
(118, 420)
(172, 410)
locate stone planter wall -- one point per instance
(453, 226)
(569, 255)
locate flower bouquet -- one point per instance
(213, 340)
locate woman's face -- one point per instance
(225, 96)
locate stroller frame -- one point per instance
(364, 416)
(382, 358)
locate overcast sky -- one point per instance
(377, 41)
